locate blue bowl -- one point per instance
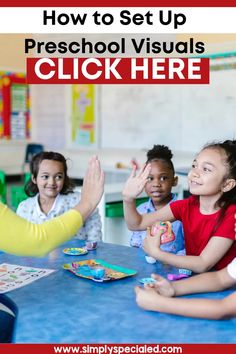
(98, 272)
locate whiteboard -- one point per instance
(184, 117)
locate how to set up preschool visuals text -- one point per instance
(152, 61)
(124, 18)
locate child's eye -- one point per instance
(205, 169)
(44, 177)
(163, 178)
(58, 178)
(149, 179)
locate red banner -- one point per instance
(120, 3)
(117, 348)
(118, 71)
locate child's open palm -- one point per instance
(135, 183)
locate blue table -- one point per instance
(63, 308)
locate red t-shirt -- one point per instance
(199, 228)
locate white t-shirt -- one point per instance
(231, 268)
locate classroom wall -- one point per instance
(12, 56)
(134, 117)
(183, 117)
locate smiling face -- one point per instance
(208, 174)
(50, 179)
(161, 179)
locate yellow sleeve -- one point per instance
(23, 238)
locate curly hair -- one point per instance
(161, 152)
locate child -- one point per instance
(160, 181)
(51, 194)
(158, 296)
(207, 216)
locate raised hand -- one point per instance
(136, 183)
(93, 187)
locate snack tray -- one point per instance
(112, 272)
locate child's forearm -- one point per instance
(201, 308)
(194, 263)
(211, 254)
(132, 217)
(206, 282)
(150, 299)
(136, 222)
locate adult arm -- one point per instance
(23, 238)
(20, 237)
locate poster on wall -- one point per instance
(83, 117)
(14, 106)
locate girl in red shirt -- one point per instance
(207, 216)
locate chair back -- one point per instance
(17, 195)
(3, 187)
(31, 150)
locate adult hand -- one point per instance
(93, 187)
(136, 183)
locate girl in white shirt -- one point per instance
(51, 194)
